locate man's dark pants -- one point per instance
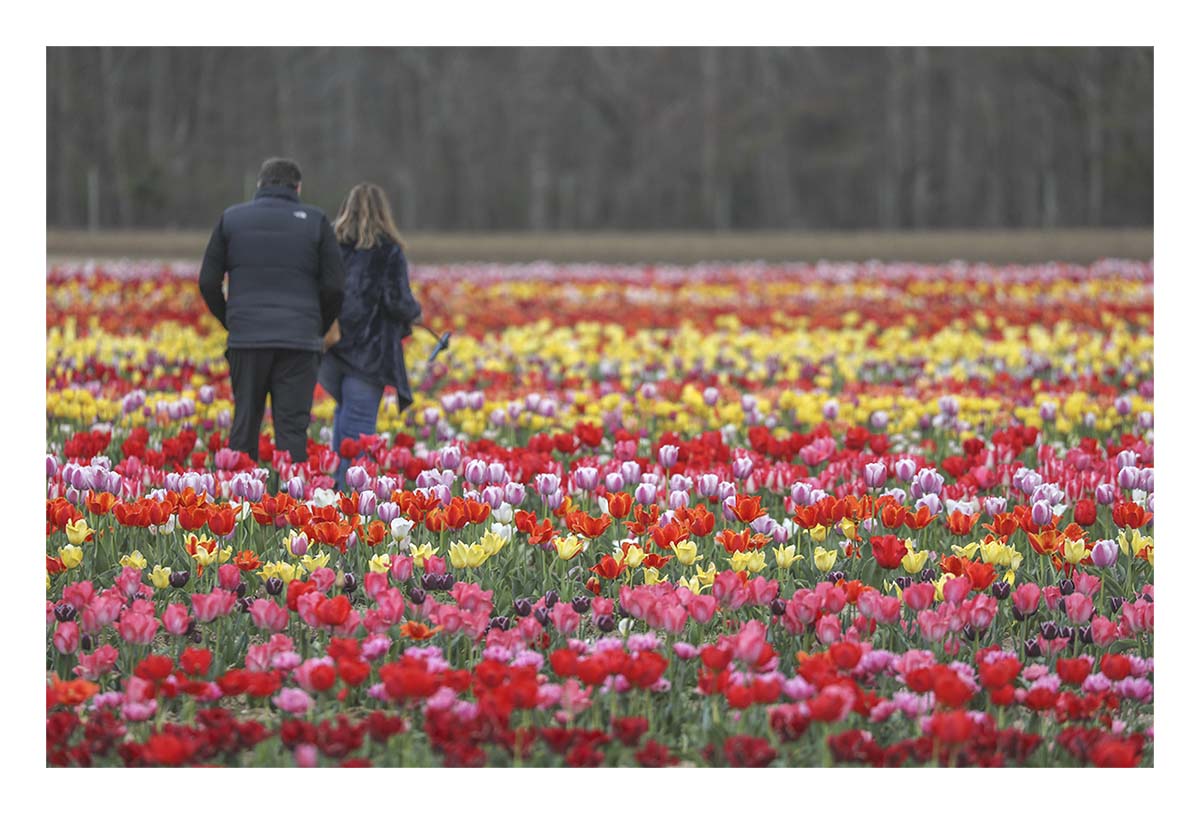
(289, 377)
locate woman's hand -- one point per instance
(333, 336)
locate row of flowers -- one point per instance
(625, 547)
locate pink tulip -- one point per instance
(1026, 598)
(919, 595)
(729, 590)
(373, 583)
(228, 577)
(401, 568)
(702, 608)
(97, 663)
(564, 617)
(266, 615)
(829, 629)
(1079, 608)
(66, 637)
(1104, 632)
(175, 619)
(210, 606)
(293, 700)
(137, 628)
(955, 590)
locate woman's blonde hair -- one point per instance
(365, 219)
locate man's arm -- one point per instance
(212, 275)
(331, 277)
(399, 304)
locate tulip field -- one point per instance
(741, 515)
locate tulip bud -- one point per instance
(522, 607)
(903, 582)
(64, 612)
(243, 604)
(179, 578)
(778, 607)
(542, 616)
(605, 623)
(551, 598)
(240, 590)
(416, 594)
(1049, 630)
(1001, 590)
(1033, 649)
(580, 604)
(86, 642)
(500, 622)
(274, 586)
(349, 583)
(1067, 586)
(1085, 634)
(836, 576)
(1115, 603)
(928, 575)
(1066, 632)
(430, 582)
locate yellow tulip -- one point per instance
(752, 561)
(476, 555)
(70, 555)
(633, 556)
(914, 561)
(849, 528)
(692, 584)
(707, 576)
(786, 555)
(818, 533)
(967, 551)
(650, 576)
(492, 542)
(458, 554)
(422, 552)
(380, 564)
(314, 561)
(160, 577)
(686, 552)
(1074, 551)
(134, 559)
(938, 584)
(78, 531)
(823, 559)
(567, 547)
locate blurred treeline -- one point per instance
(611, 138)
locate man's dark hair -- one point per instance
(279, 172)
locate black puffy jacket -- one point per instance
(285, 272)
(378, 311)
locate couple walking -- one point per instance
(309, 301)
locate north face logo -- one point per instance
(300, 213)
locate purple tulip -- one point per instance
(1145, 419)
(726, 490)
(879, 419)
(668, 455)
(493, 495)
(475, 400)
(224, 419)
(1042, 514)
(497, 474)
(1105, 494)
(554, 499)
(764, 525)
(993, 505)
(614, 482)
(476, 472)
(388, 512)
(875, 474)
(928, 482)
(830, 410)
(547, 483)
(207, 394)
(631, 471)
(1124, 405)
(742, 467)
(727, 509)
(1126, 457)
(899, 494)
(932, 501)
(1150, 503)
(356, 478)
(586, 478)
(677, 500)
(295, 488)
(800, 493)
(645, 494)
(1048, 411)
(1104, 553)
(1146, 480)
(497, 418)
(906, 469)
(51, 466)
(444, 495)
(1127, 478)
(948, 405)
(450, 457)
(711, 394)
(707, 484)
(367, 503)
(299, 545)
(514, 493)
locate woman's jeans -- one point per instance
(357, 409)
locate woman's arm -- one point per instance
(399, 304)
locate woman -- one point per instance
(364, 353)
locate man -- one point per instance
(285, 291)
